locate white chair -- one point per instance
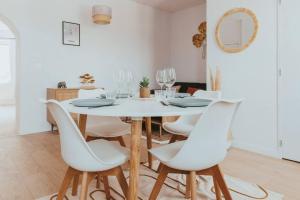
(109, 128)
(201, 153)
(98, 157)
(181, 128)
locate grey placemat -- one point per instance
(93, 102)
(189, 102)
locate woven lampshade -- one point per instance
(102, 14)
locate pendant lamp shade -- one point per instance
(102, 14)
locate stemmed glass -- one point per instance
(161, 78)
(170, 77)
(124, 81)
(129, 83)
(119, 79)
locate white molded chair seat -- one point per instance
(168, 156)
(201, 153)
(206, 145)
(185, 124)
(182, 126)
(103, 127)
(106, 127)
(94, 158)
(97, 155)
(111, 154)
(167, 152)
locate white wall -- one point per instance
(184, 56)
(137, 40)
(250, 74)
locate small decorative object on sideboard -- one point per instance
(144, 88)
(87, 81)
(61, 84)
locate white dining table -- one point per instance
(136, 109)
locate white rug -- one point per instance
(174, 188)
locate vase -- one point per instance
(144, 92)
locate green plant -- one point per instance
(144, 82)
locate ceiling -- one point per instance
(171, 5)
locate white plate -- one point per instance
(93, 102)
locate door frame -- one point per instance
(17, 77)
(280, 135)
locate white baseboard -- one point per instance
(257, 149)
(43, 130)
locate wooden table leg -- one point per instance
(149, 139)
(193, 185)
(82, 124)
(136, 131)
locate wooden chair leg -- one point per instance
(149, 139)
(159, 168)
(122, 181)
(98, 181)
(106, 187)
(90, 138)
(82, 124)
(217, 189)
(188, 186)
(221, 182)
(193, 185)
(84, 186)
(160, 131)
(160, 181)
(121, 141)
(173, 139)
(75, 185)
(66, 182)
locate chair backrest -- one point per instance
(203, 94)
(87, 94)
(74, 149)
(208, 142)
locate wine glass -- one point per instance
(161, 78)
(119, 79)
(170, 77)
(129, 83)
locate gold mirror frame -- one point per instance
(252, 38)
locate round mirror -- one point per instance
(236, 30)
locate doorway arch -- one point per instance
(15, 32)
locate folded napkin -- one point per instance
(189, 102)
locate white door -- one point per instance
(289, 80)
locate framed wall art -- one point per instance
(70, 33)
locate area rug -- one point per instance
(164, 138)
(174, 188)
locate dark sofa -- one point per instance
(185, 85)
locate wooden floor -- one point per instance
(31, 167)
